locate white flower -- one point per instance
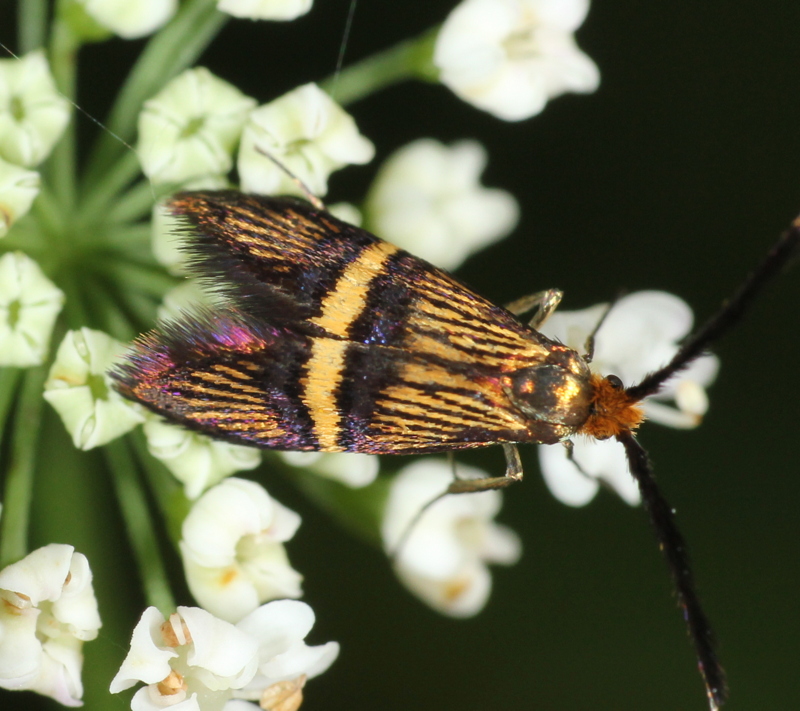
(29, 305)
(190, 128)
(166, 236)
(80, 391)
(640, 335)
(427, 198)
(510, 57)
(347, 212)
(265, 9)
(232, 548)
(197, 461)
(47, 611)
(306, 131)
(130, 18)
(18, 190)
(195, 661)
(444, 558)
(33, 114)
(355, 470)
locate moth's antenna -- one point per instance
(313, 199)
(728, 315)
(673, 546)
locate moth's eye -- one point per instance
(614, 382)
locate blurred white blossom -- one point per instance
(130, 18)
(427, 198)
(190, 128)
(347, 212)
(48, 611)
(80, 391)
(308, 133)
(232, 548)
(18, 189)
(195, 661)
(640, 335)
(265, 9)
(355, 470)
(33, 114)
(197, 461)
(444, 559)
(29, 305)
(510, 57)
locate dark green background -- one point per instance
(677, 174)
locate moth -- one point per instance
(333, 340)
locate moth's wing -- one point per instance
(347, 342)
(274, 258)
(256, 384)
(219, 374)
(283, 262)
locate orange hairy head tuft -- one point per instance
(613, 410)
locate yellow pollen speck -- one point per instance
(172, 684)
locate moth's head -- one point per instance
(613, 410)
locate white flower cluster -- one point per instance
(33, 116)
(640, 334)
(194, 661)
(48, 611)
(442, 557)
(510, 57)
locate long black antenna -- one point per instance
(728, 315)
(673, 546)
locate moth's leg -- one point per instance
(513, 474)
(589, 345)
(569, 445)
(313, 199)
(545, 302)
(467, 486)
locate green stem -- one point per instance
(139, 526)
(137, 202)
(63, 63)
(168, 492)
(19, 480)
(32, 25)
(411, 59)
(9, 378)
(170, 51)
(131, 238)
(150, 280)
(118, 176)
(139, 309)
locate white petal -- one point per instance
(79, 389)
(220, 648)
(265, 9)
(131, 18)
(308, 133)
(29, 306)
(148, 659)
(427, 198)
(190, 128)
(18, 189)
(278, 626)
(27, 84)
(300, 659)
(563, 478)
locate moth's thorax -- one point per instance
(556, 394)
